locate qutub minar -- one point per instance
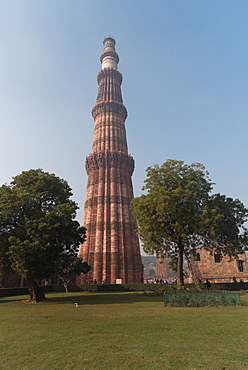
(112, 246)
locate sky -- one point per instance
(185, 86)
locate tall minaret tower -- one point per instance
(111, 247)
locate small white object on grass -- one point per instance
(76, 304)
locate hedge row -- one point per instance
(121, 287)
(5, 292)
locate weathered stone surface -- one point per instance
(207, 266)
(112, 246)
(162, 268)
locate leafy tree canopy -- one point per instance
(69, 266)
(177, 214)
(37, 224)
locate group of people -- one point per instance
(208, 284)
(91, 282)
(235, 280)
(162, 281)
(94, 281)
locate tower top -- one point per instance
(109, 58)
(110, 39)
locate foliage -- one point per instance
(184, 298)
(5, 267)
(177, 214)
(69, 266)
(224, 225)
(37, 224)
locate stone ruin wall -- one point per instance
(206, 266)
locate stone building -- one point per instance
(217, 269)
(162, 268)
(112, 246)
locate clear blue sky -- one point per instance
(185, 69)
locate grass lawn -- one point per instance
(120, 331)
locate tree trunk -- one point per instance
(36, 294)
(180, 278)
(192, 269)
(194, 278)
(66, 286)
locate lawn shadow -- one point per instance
(83, 299)
(86, 298)
(13, 299)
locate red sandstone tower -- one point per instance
(112, 247)
(162, 268)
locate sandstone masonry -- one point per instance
(112, 247)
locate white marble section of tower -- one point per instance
(110, 58)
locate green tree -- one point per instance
(69, 266)
(223, 222)
(37, 224)
(177, 214)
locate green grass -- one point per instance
(120, 331)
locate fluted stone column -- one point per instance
(112, 247)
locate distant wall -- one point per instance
(211, 267)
